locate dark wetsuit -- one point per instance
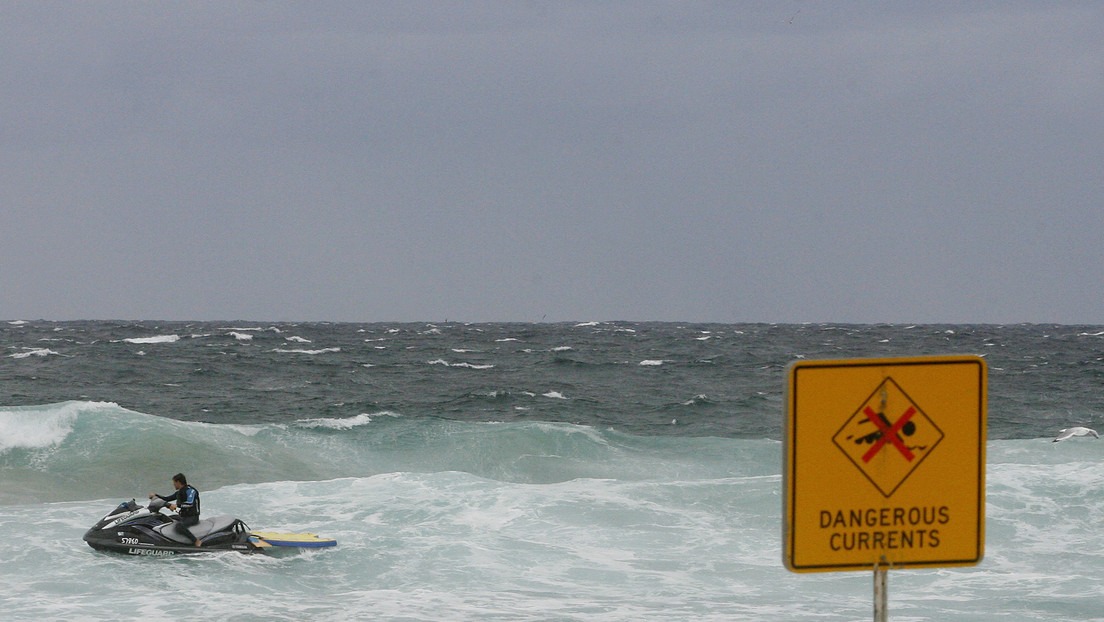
(187, 505)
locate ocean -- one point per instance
(570, 471)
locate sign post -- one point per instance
(881, 593)
(884, 464)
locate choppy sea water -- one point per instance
(597, 471)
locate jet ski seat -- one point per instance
(201, 529)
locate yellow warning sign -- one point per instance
(884, 463)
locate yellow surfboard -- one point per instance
(302, 540)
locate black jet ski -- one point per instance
(136, 530)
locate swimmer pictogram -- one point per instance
(887, 437)
(887, 432)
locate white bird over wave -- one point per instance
(1075, 431)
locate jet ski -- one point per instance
(135, 530)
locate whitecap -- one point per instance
(297, 339)
(330, 423)
(555, 395)
(18, 322)
(562, 349)
(652, 362)
(157, 339)
(301, 351)
(241, 336)
(347, 423)
(468, 365)
(35, 352)
(35, 430)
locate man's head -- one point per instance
(179, 481)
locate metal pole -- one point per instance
(881, 572)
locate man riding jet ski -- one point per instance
(136, 530)
(186, 503)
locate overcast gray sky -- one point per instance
(783, 161)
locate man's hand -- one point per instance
(172, 506)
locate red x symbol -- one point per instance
(889, 433)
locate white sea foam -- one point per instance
(652, 362)
(682, 533)
(554, 395)
(157, 339)
(241, 336)
(297, 339)
(18, 322)
(562, 349)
